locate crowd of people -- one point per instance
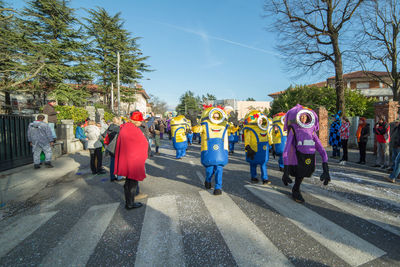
(129, 141)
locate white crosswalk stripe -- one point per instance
(161, 237)
(13, 234)
(248, 245)
(349, 247)
(160, 241)
(77, 246)
(385, 221)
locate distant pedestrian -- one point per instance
(362, 135)
(41, 139)
(95, 146)
(382, 132)
(156, 136)
(51, 113)
(130, 157)
(334, 136)
(162, 128)
(344, 138)
(80, 134)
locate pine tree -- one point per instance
(109, 37)
(51, 27)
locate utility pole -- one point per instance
(119, 93)
(112, 97)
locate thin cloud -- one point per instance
(204, 35)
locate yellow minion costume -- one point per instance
(196, 132)
(257, 143)
(214, 145)
(279, 137)
(179, 125)
(189, 133)
(233, 137)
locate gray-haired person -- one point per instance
(41, 139)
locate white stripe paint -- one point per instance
(386, 196)
(379, 218)
(14, 233)
(52, 204)
(161, 239)
(364, 177)
(79, 243)
(201, 177)
(346, 245)
(191, 162)
(248, 245)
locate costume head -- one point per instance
(257, 121)
(301, 118)
(179, 125)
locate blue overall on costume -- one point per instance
(214, 158)
(232, 139)
(260, 158)
(180, 147)
(279, 149)
(190, 138)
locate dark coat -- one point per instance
(51, 113)
(364, 133)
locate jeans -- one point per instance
(217, 172)
(112, 175)
(84, 143)
(382, 156)
(395, 152)
(263, 167)
(53, 130)
(396, 169)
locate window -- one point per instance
(362, 85)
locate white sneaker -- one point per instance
(342, 162)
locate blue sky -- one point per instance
(206, 46)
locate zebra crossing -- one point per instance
(162, 239)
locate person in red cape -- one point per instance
(130, 157)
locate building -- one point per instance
(21, 102)
(242, 107)
(368, 83)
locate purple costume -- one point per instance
(299, 152)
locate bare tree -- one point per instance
(381, 32)
(158, 106)
(309, 33)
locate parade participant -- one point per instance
(40, 138)
(214, 145)
(95, 146)
(362, 135)
(179, 125)
(130, 156)
(302, 124)
(257, 142)
(196, 132)
(233, 137)
(189, 133)
(334, 136)
(279, 137)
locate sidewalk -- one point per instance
(354, 156)
(19, 184)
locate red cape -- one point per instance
(131, 153)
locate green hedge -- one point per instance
(76, 114)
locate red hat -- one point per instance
(137, 116)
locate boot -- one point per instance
(207, 185)
(129, 191)
(217, 192)
(36, 166)
(254, 180)
(297, 196)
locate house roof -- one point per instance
(361, 74)
(276, 93)
(320, 84)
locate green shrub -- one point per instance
(76, 114)
(108, 116)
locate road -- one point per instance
(354, 221)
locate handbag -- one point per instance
(112, 145)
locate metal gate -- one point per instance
(14, 147)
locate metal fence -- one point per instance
(14, 147)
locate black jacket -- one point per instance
(364, 133)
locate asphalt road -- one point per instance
(81, 220)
